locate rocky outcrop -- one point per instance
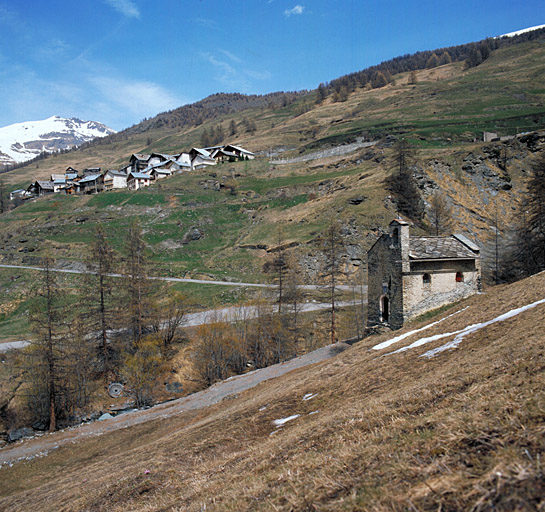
(484, 173)
(534, 141)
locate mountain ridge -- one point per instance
(20, 142)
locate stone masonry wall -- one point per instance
(419, 297)
(384, 274)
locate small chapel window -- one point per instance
(395, 236)
(426, 279)
(459, 277)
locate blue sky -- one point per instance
(118, 61)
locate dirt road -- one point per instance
(41, 446)
(229, 314)
(188, 280)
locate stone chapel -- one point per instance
(409, 275)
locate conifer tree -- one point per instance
(527, 253)
(137, 287)
(439, 214)
(445, 58)
(378, 80)
(333, 247)
(402, 183)
(232, 127)
(294, 295)
(141, 367)
(475, 58)
(45, 352)
(98, 291)
(3, 198)
(321, 93)
(433, 61)
(205, 138)
(536, 215)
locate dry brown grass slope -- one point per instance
(461, 431)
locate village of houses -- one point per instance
(140, 172)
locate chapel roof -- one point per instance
(441, 248)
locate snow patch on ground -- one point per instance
(309, 396)
(462, 333)
(476, 327)
(282, 421)
(387, 343)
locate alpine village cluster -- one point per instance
(138, 173)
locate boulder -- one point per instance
(192, 235)
(19, 433)
(174, 387)
(39, 425)
(356, 200)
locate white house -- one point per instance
(137, 180)
(158, 173)
(200, 158)
(184, 158)
(229, 153)
(158, 158)
(19, 193)
(58, 183)
(239, 152)
(162, 169)
(114, 179)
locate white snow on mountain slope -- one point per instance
(524, 30)
(460, 334)
(23, 141)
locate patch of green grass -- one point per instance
(144, 198)
(53, 203)
(434, 312)
(109, 198)
(266, 184)
(205, 296)
(283, 203)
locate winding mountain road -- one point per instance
(230, 314)
(183, 279)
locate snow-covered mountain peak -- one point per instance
(20, 142)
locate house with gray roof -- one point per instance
(200, 158)
(138, 162)
(138, 180)
(239, 152)
(89, 184)
(409, 275)
(40, 188)
(158, 158)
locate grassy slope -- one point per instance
(461, 431)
